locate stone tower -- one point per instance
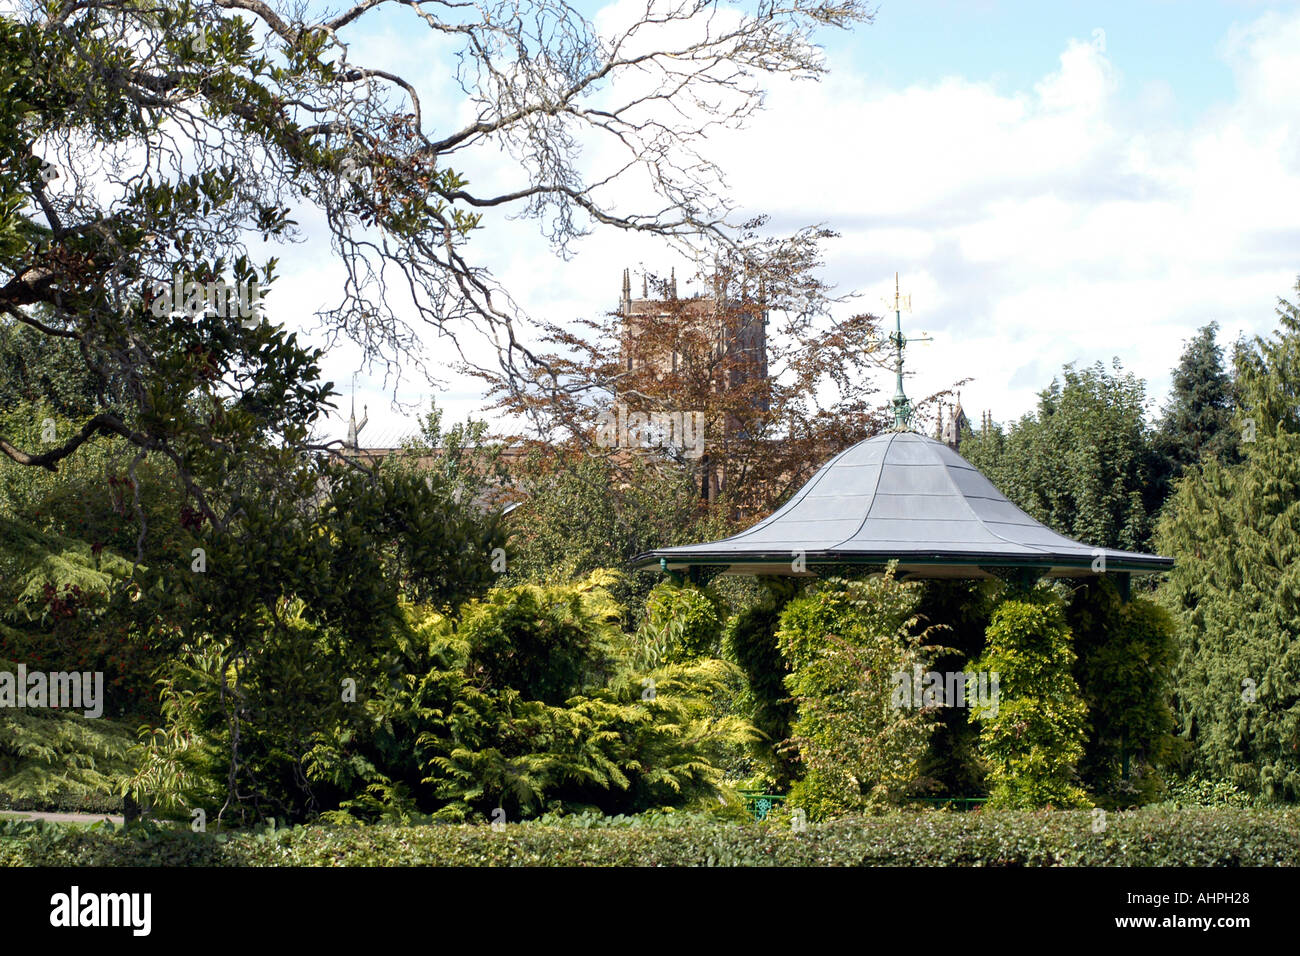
(736, 326)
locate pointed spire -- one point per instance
(627, 292)
(673, 280)
(645, 286)
(354, 428)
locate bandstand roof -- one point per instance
(902, 496)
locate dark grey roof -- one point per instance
(903, 496)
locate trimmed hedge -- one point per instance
(1211, 837)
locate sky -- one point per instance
(1054, 183)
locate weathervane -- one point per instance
(902, 406)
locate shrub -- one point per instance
(750, 641)
(1125, 657)
(1032, 739)
(1148, 837)
(681, 623)
(960, 611)
(538, 641)
(845, 642)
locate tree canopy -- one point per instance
(1083, 462)
(144, 148)
(1235, 530)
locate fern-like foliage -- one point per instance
(51, 757)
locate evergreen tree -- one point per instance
(1083, 463)
(1234, 532)
(1197, 422)
(1268, 375)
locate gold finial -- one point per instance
(901, 303)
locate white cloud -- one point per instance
(1073, 220)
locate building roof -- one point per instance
(903, 496)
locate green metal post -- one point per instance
(674, 576)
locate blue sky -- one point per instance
(1056, 182)
(1012, 45)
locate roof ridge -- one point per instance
(879, 474)
(947, 474)
(799, 496)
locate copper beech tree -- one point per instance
(749, 383)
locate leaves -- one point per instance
(1032, 739)
(1083, 463)
(844, 642)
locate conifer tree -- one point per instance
(1197, 421)
(1083, 462)
(1234, 532)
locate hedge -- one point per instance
(1199, 837)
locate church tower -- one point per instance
(738, 326)
(737, 329)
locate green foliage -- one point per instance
(461, 460)
(1186, 838)
(635, 743)
(583, 723)
(1197, 421)
(1268, 374)
(36, 370)
(79, 332)
(296, 602)
(60, 609)
(1194, 790)
(582, 514)
(52, 757)
(1126, 652)
(960, 612)
(1083, 463)
(750, 641)
(529, 701)
(1234, 533)
(1033, 738)
(681, 623)
(538, 641)
(178, 766)
(845, 641)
